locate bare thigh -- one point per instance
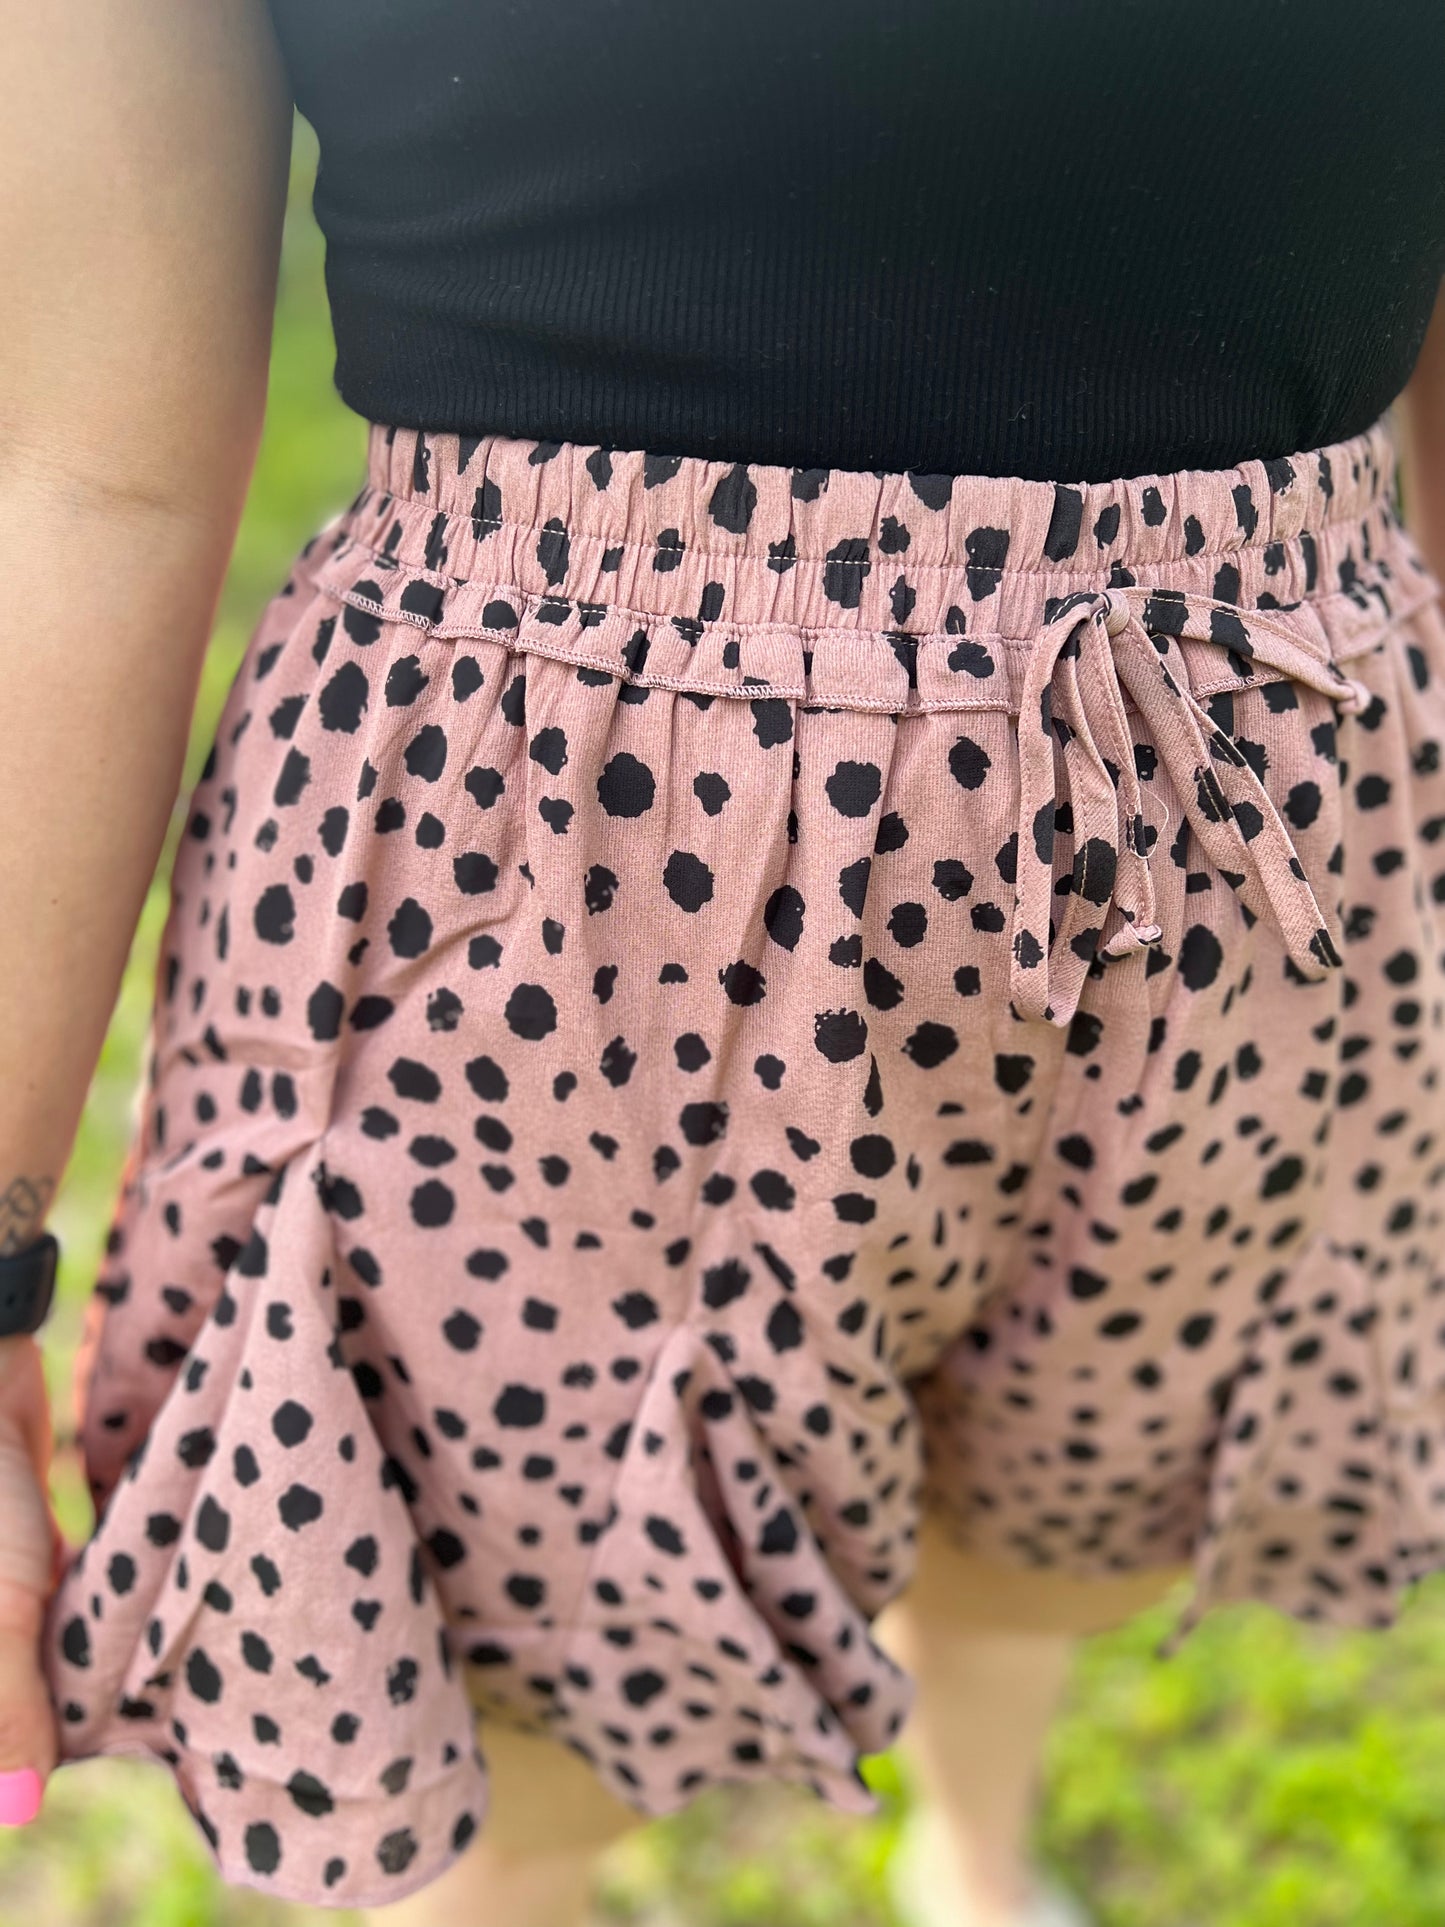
(545, 1796)
(548, 1817)
(956, 1593)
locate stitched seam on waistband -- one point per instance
(845, 698)
(531, 599)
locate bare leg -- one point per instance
(532, 1862)
(991, 1648)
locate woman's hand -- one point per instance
(33, 1552)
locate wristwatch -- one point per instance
(27, 1285)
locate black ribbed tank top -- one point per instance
(1060, 239)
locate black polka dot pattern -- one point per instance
(706, 1008)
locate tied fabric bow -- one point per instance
(1092, 649)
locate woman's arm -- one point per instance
(1420, 433)
(144, 147)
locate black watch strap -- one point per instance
(27, 1285)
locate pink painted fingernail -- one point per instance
(19, 1797)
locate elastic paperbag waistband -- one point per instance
(880, 591)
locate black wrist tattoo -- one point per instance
(22, 1212)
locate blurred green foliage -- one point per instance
(1269, 1775)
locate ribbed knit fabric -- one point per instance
(1064, 241)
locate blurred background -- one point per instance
(1270, 1775)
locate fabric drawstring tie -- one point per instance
(1093, 649)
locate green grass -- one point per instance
(1266, 1776)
